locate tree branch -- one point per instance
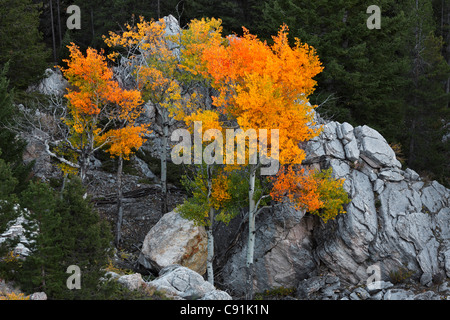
(54, 155)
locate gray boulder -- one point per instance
(376, 286)
(352, 152)
(216, 295)
(38, 296)
(175, 240)
(398, 294)
(16, 231)
(181, 282)
(394, 220)
(332, 145)
(172, 29)
(345, 132)
(131, 281)
(434, 197)
(142, 166)
(375, 149)
(391, 175)
(53, 84)
(428, 295)
(359, 294)
(388, 229)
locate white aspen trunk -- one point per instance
(83, 166)
(119, 202)
(165, 138)
(209, 232)
(210, 257)
(251, 232)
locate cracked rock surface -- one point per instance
(395, 221)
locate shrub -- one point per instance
(400, 275)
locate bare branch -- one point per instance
(47, 149)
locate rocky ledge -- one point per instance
(396, 223)
(330, 288)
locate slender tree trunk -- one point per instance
(92, 24)
(209, 230)
(58, 10)
(53, 30)
(447, 40)
(63, 185)
(159, 9)
(412, 141)
(44, 285)
(251, 233)
(210, 257)
(165, 139)
(119, 202)
(83, 167)
(417, 62)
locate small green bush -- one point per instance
(400, 275)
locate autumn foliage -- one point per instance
(266, 87)
(316, 192)
(151, 61)
(97, 104)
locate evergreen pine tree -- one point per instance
(21, 42)
(86, 243)
(428, 99)
(11, 144)
(7, 200)
(64, 230)
(41, 270)
(234, 14)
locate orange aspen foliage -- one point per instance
(316, 192)
(208, 118)
(300, 189)
(219, 191)
(124, 141)
(95, 99)
(194, 40)
(163, 66)
(162, 63)
(265, 86)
